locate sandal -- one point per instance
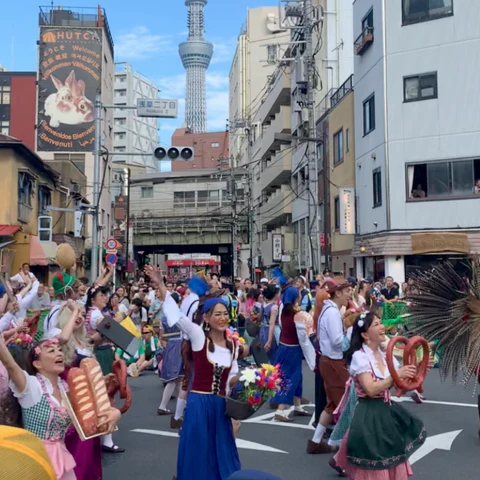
(164, 412)
(114, 449)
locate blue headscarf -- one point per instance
(210, 304)
(290, 295)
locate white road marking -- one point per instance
(443, 441)
(244, 444)
(436, 402)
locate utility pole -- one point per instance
(233, 192)
(313, 213)
(94, 270)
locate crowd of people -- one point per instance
(332, 323)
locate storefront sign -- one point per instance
(277, 247)
(69, 78)
(347, 210)
(439, 242)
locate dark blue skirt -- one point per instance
(207, 449)
(172, 366)
(263, 337)
(290, 360)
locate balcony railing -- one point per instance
(24, 212)
(364, 40)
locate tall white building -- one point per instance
(133, 134)
(260, 41)
(417, 133)
(333, 48)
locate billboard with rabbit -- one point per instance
(70, 74)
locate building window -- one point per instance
(26, 192)
(213, 198)
(215, 144)
(369, 115)
(347, 140)
(44, 199)
(202, 198)
(119, 149)
(415, 11)
(119, 136)
(338, 147)
(377, 187)
(445, 179)
(5, 127)
(365, 39)
(4, 94)
(184, 199)
(337, 213)
(121, 93)
(146, 192)
(420, 87)
(120, 121)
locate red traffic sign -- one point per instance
(112, 244)
(111, 259)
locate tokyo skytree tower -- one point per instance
(196, 54)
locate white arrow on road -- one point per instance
(442, 441)
(245, 444)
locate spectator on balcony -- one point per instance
(476, 188)
(418, 192)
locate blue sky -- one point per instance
(146, 33)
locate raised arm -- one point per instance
(305, 344)
(67, 331)
(107, 273)
(16, 374)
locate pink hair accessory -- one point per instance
(37, 350)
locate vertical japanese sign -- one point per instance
(69, 77)
(347, 210)
(120, 219)
(277, 247)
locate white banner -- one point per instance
(347, 211)
(277, 247)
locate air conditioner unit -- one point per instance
(76, 188)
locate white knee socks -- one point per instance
(319, 431)
(167, 395)
(180, 408)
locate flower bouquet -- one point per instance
(254, 387)
(254, 322)
(20, 346)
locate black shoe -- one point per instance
(114, 449)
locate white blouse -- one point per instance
(33, 393)
(364, 361)
(221, 356)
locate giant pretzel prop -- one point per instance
(118, 383)
(409, 358)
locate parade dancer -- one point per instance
(383, 434)
(332, 366)
(72, 337)
(270, 329)
(40, 398)
(294, 345)
(207, 449)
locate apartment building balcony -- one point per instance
(278, 169)
(278, 95)
(278, 206)
(364, 40)
(272, 137)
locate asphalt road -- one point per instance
(451, 452)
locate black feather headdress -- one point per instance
(445, 308)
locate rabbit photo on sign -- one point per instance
(69, 105)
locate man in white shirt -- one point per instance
(333, 368)
(20, 276)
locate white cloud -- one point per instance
(216, 80)
(223, 50)
(140, 43)
(173, 86)
(217, 110)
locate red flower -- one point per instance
(254, 400)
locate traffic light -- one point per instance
(173, 153)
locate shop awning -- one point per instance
(8, 230)
(42, 254)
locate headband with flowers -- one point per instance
(362, 317)
(49, 343)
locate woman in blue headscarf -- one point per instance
(207, 449)
(294, 345)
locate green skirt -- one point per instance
(105, 357)
(382, 435)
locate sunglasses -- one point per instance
(144, 333)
